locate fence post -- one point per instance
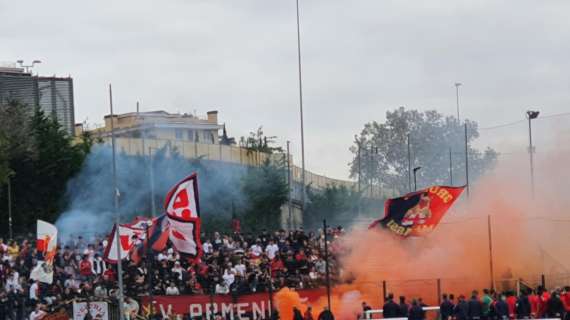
(384, 294)
(543, 280)
(439, 291)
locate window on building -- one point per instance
(207, 136)
(178, 134)
(190, 135)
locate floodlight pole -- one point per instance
(117, 213)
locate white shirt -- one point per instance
(14, 281)
(178, 270)
(256, 250)
(271, 250)
(34, 291)
(207, 247)
(222, 289)
(35, 315)
(240, 269)
(229, 278)
(172, 291)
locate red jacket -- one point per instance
(534, 302)
(85, 268)
(512, 302)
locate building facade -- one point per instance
(161, 125)
(54, 95)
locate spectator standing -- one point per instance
(172, 289)
(475, 306)
(99, 265)
(486, 302)
(534, 302)
(390, 308)
(523, 306)
(461, 311)
(297, 314)
(512, 303)
(555, 307)
(34, 293)
(326, 314)
(271, 249)
(308, 314)
(446, 307)
(404, 307)
(502, 308)
(37, 314)
(85, 268)
(416, 311)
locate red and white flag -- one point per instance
(141, 223)
(46, 243)
(128, 237)
(182, 207)
(182, 201)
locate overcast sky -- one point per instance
(360, 58)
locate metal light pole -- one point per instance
(416, 169)
(117, 213)
(457, 85)
(151, 175)
(466, 161)
(327, 270)
(491, 269)
(450, 169)
(289, 184)
(10, 231)
(29, 66)
(531, 115)
(301, 112)
(409, 165)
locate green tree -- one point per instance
(258, 141)
(265, 190)
(41, 158)
(337, 204)
(381, 153)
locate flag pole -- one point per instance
(328, 277)
(491, 252)
(116, 208)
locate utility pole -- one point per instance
(117, 214)
(301, 112)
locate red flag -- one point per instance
(418, 212)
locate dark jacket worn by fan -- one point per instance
(390, 308)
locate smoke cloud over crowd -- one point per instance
(529, 238)
(90, 194)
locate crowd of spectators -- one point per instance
(491, 305)
(232, 264)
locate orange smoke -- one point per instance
(529, 238)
